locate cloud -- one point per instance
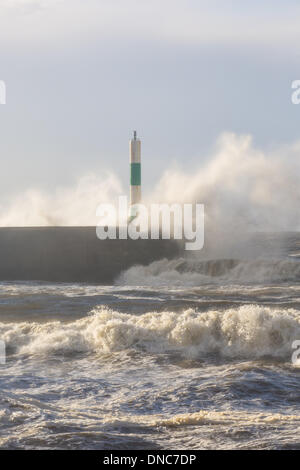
(172, 21)
(27, 6)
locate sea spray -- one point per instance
(249, 332)
(241, 187)
(187, 272)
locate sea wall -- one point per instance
(73, 254)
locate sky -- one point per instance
(82, 74)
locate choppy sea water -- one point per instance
(181, 354)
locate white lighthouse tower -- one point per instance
(135, 173)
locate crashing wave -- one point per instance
(194, 272)
(249, 331)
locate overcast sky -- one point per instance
(82, 74)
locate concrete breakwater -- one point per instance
(73, 254)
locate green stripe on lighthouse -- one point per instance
(135, 174)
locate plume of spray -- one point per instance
(242, 188)
(244, 191)
(70, 206)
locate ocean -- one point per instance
(188, 353)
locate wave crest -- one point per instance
(189, 272)
(249, 332)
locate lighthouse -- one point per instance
(135, 173)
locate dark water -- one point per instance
(189, 353)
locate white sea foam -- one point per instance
(249, 331)
(184, 272)
(212, 417)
